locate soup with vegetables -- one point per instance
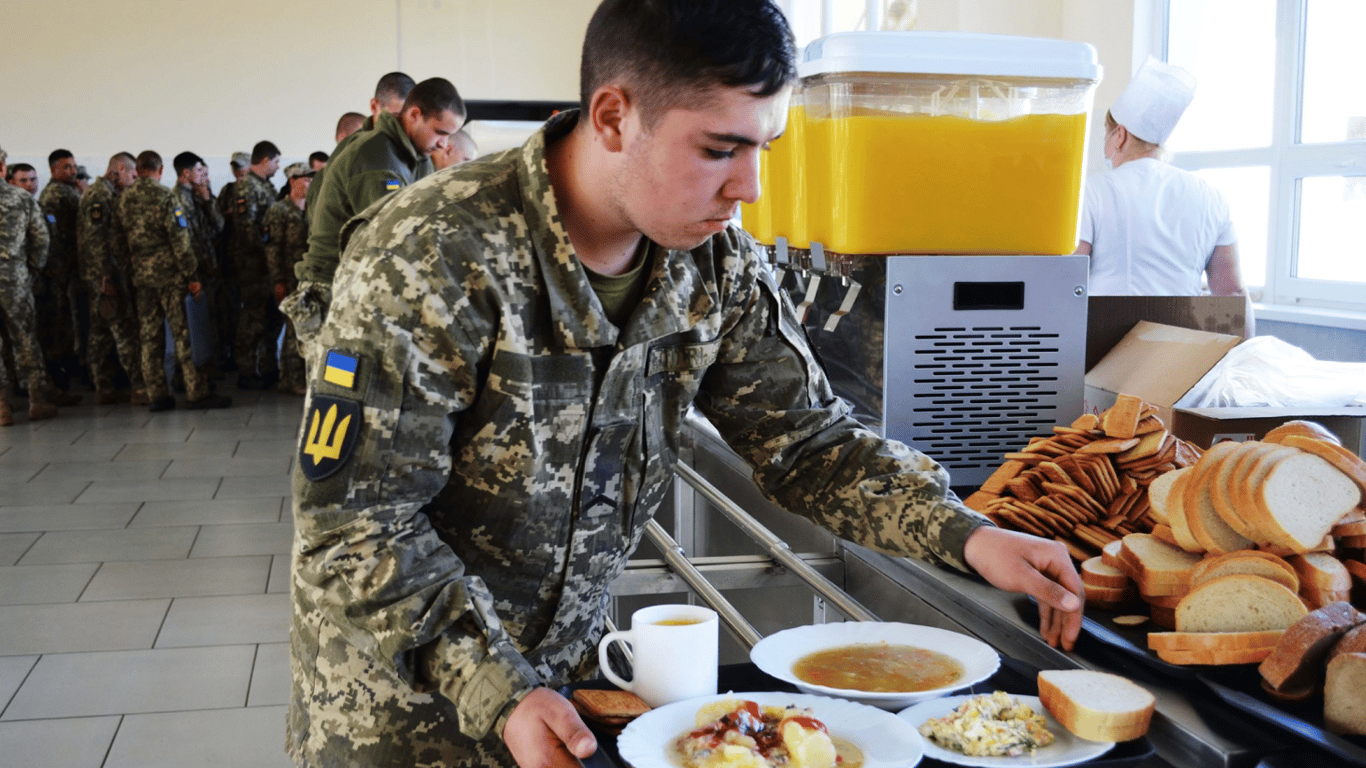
(879, 668)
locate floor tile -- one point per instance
(103, 470)
(14, 545)
(78, 627)
(251, 737)
(180, 578)
(20, 471)
(270, 676)
(277, 466)
(284, 446)
(66, 517)
(280, 569)
(248, 539)
(149, 451)
(194, 489)
(44, 492)
(226, 620)
(59, 452)
(30, 584)
(253, 487)
(104, 546)
(122, 682)
(69, 743)
(13, 670)
(214, 511)
(152, 433)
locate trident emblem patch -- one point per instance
(330, 430)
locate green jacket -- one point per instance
(482, 449)
(381, 161)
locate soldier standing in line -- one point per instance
(286, 241)
(206, 222)
(23, 252)
(227, 299)
(252, 197)
(153, 227)
(23, 176)
(104, 268)
(59, 287)
(392, 155)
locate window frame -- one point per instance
(1289, 162)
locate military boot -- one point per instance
(6, 410)
(39, 407)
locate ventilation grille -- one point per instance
(982, 391)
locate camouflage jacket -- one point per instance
(482, 449)
(205, 223)
(23, 235)
(95, 241)
(154, 229)
(381, 161)
(253, 196)
(286, 240)
(60, 202)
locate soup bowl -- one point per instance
(779, 653)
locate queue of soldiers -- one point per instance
(99, 279)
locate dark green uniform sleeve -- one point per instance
(36, 244)
(369, 186)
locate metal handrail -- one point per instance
(678, 561)
(776, 547)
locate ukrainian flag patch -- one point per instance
(340, 369)
(392, 184)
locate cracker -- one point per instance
(1109, 445)
(1086, 421)
(609, 704)
(1003, 474)
(1121, 420)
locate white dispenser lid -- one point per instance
(950, 53)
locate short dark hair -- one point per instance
(125, 157)
(350, 122)
(148, 161)
(185, 160)
(434, 96)
(57, 156)
(395, 85)
(264, 150)
(18, 168)
(666, 49)
(320, 156)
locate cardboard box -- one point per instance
(1207, 426)
(1108, 318)
(1159, 363)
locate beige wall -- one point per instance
(215, 76)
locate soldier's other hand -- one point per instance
(196, 290)
(1040, 568)
(544, 731)
(280, 292)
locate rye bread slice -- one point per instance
(1298, 658)
(1344, 708)
(1352, 641)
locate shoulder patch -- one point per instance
(340, 369)
(97, 211)
(241, 205)
(180, 218)
(51, 219)
(392, 184)
(332, 425)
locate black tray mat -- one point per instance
(1014, 676)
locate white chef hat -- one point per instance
(1154, 100)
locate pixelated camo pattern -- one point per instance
(514, 444)
(23, 235)
(159, 245)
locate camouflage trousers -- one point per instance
(158, 305)
(293, 376)
(16, 304)
(306, 308)
(255, 344)
(54, 304)
(120, 333)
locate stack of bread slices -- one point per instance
(1324, 651)
(1249, 540)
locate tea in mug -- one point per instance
(677, 622)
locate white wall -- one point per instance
(216, 76)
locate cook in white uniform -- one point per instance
(1152, 229)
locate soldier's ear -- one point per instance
(607, 115)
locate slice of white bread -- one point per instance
(1109, 554)
(1248, 476)
(1176, 509)
(1097, 706)
(1238, 603)
(1347, 462)
(1206, 525)
(1250, 561)
(1322, 570)
(1156, 566)
(1206, 641)
(1233, 472)
(1315, 598)
(1344, 708)
(1213, 656)
(1094, 571)
(1311, 429)
(1298, 502)
(1158, 491)
(1298, 658)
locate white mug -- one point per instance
(673, 649)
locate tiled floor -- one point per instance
(144, 610)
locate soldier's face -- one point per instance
(201, 174)
(64, 170)
(429, 134)
(682, 180)
(26, 180)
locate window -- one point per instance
(1279, 125)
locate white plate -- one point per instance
(777, 653)
(886, 742)
(1066, 749)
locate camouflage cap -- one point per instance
(295, 170)
(82, 173)
(241, 159)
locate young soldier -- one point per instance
(512, 347)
